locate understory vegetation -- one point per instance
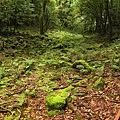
(32, 65)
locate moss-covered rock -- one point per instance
(58, 99)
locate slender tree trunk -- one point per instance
(42, 17)
(105, 24)
(109, 19)
(98, 25)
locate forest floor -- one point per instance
(31, 66)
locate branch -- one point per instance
(76, 111)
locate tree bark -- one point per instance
(42, 17)
(109, 18)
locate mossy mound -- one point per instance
(84, 63)
(58, 99)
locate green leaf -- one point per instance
(99, 83)
(8, 117)
(115, 67)
(52, 113)
(2, 72)
(116, 60)
(21, 99)
(17, 118)
(101, 69)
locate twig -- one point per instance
(4, 109)
(60, 87)
(117, 116)
(76, 85)
(7, 102)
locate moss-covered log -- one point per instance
(84, 63)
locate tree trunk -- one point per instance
(109, 18)
(42, 17)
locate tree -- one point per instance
(99, 15)
(42, 16)
(15, 13)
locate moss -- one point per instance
(64, 63)
(84, 63)
(68, 88)
(76, 77)
(58, 99)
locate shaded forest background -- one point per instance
(81, 16)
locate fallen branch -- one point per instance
(76, 111)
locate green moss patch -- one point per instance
(58, 99)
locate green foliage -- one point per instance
(17, 13)
(80, 16)
(99, 83)
(8, 117)
(21, 99)
(84, 63)
(13, 116)
(94, 15)
(4, 82)
(2, 72)
(29, 64)
(115, 68)
(32, 93)
(52, 113)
